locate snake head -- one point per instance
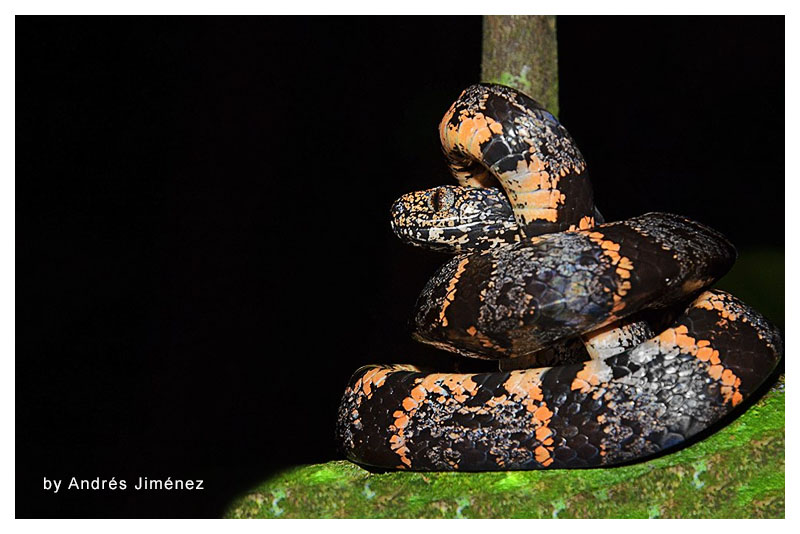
(454, 219)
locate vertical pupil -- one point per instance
(437, 200)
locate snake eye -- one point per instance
(441, 199)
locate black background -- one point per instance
(203, 248)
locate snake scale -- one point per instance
(565, 302)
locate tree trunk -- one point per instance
(521, 51)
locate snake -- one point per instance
(612, 347)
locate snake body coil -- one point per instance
(575, 296)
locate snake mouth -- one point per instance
(452, 216)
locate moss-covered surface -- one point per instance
(735, 473)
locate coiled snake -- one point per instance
(562, 302)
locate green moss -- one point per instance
(522, 81)
(521, 51)
(737, 472)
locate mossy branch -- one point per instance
(736, 473)
(522, 52)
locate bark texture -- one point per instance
(521, 51)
